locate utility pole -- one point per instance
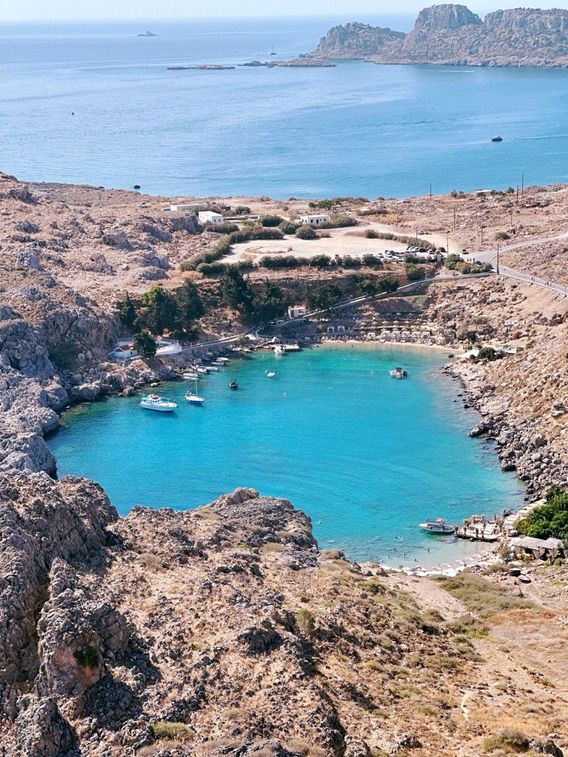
(430, 189)
(447, 244)
(454, 219)
(523, 183)
(498, 250)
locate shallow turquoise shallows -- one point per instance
(368, 457)
(95, 103)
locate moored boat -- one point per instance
(270, 374)
(155, 402)
(398, 373)
(438, 526)
(190, 375)
(194, 399)
(233, 385)
(496, 139)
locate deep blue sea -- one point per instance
(357, 129)
(366, 456)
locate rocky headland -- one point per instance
(453, 35)
(225, 630)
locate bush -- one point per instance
(372, 261)
(164, 730)
(372, 234)
(271, 220)
(222, 228)
(319, 261)
(508, 740)
(339, 221)
(280, 261)
(306, 232)
(413, 272)
(550, 520)
(287, 227)
(502, 236)
(242, 210)
(305, 621)
(347, 261)
(487, 353)
(388, 284)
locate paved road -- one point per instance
(490, 256)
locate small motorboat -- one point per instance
(218, 363)
(213, 367)
(398, 373)
(194, 399)
(496, 139)
(222, 360)
(190, 375)
(278, 350)
(438, 526)
(270, 374)
(155, 402)
(233, 385)
(202, 369)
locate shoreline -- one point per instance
(480, 555)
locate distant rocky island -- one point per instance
(453, 35)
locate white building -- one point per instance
(314, 220)
(296, 311)
(208, 216)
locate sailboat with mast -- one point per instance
(193, 398)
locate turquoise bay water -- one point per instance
(366, 456)
(357, 129)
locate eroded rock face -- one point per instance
(452, 34)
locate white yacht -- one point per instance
(438, 526)
(155, 402)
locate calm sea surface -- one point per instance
(357, 129)
(367, 457)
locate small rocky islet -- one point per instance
(450, 34)
(226, 630)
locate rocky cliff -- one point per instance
(355, 40)
(225, 630)
(453, 35)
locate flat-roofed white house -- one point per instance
(297, 311)
(314, 220)
(209, 216)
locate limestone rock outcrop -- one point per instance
(453, 35)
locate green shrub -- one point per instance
(550, 520)
(287, 227)
(242, 210)
(339, 221)
(502, 236)
(371, 234)
(163, 730)
(414, 272)
(280, 261)
(271, 220)
(306, 232)
(222, 228)
(319, 261)
(508, 740)
(305, 621)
